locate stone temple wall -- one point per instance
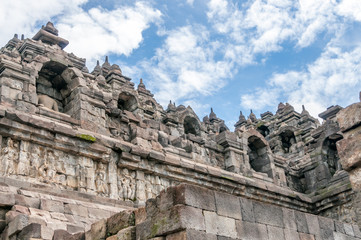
(93, 139)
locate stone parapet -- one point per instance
(192, 212)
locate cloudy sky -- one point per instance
(225, 54)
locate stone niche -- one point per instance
(258, 156)
(191, 125)
(127, 101)
(53, 85)
(330, 155)
(287, 139)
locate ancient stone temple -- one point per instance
(89, 155)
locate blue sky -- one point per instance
(225, 54)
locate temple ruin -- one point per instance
(89, 155)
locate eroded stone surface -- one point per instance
(77, 147)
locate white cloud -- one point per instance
(22, 17)
(350, 8)
(184, 67)
(92, 34)
(259, 27)
(98, 32)
(334, 78)
(190, 2)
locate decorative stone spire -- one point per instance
(141, 84)
(212, 116)
(206, 119)
(50, 28)
(252, 117)
(281, 106)
(241, 120)
(304, 111)
(115, 69)
(106, 64)
(171, 106)
(97, 69)
(49, 35)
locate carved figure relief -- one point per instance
(101, 180)
(10, 157)
(48, 102)
(126, 184)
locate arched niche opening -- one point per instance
(191, 125)
(51, 87)
(127, 101)
(330, 154)
(258, 156)
(263, 130)
(287, 140)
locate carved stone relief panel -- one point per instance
(126, 184)
(101, 179)
(9, 157)
(137, 186)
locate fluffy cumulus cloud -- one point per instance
(22, 17)
(184, 67)
(98, 32)
(260, 27)
(92, 33)
(334, 78)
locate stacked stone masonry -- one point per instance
(78, 146)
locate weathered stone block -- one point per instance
(76, 209)
(228, 205)
(195, 196)
(97, 231)
(326, 223)
(312, 224)
(17, 224)
(275, 233)
(175, 219)
(226, 227)
(305, 236)
(51, 205)
(75, 228)
(20, 209)
(356, 231)
(126, 234)
(35, 230)
(7, 199)
(291, 234)
(119, 221)
(10, 215)
(301, 222)
(348, 229)
(140, 215)
(58, 216)
(251, 231)
(268, 214)
(211, 222)
(289, 219)
(98, 213)
(326, 234)
(339, 227)
(247, 210)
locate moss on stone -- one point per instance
(228, 178)
(87, 137)
(154, 230)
